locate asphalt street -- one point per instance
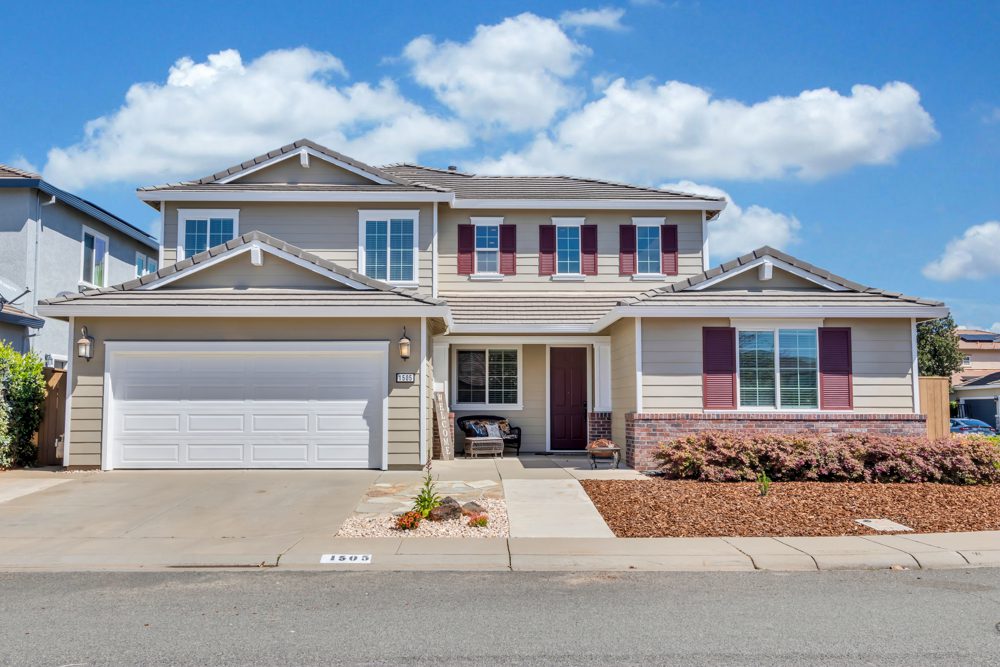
(948, 617)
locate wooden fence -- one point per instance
(934, 402)
(54, 419)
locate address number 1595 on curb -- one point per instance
(345, 559)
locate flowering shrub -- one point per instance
(729, 456)
(408, 521)
(478, 520)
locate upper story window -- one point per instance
(95, 258)
(144, 264)
(967, 360)
(487, 247)
(568, 246)
(199, 230)
(778, 368)
(647, 249)
(387, 245)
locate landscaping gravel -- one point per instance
(666, 508)
(384, 525)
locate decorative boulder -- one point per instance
(448, 509)
(472, 507)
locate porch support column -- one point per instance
(440, 361)
(602, 377)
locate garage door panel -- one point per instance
(220, 409)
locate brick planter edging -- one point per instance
(645, 431)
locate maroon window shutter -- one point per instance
(626, 250)
(508, 250)
(835, 374)
(546, 250)
(668, 249)
(466, 250)
(718, 368)
(588, 250)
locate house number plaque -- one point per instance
(404, 378)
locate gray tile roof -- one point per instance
(681, 292)
(982, 381)
(129, 290)
(12, 315)
(277, 299)
(470, 309)
(6, 171)
(475, 186)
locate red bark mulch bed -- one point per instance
(668, 508)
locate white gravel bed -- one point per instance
(384, 525)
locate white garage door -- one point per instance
(247, 405)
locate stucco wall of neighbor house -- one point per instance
(688, 235)
(984, 392)
(329, 230)
(87, 383)
(982, 360)
(881, 357)
(14, 335)
(534, 413)
(623, 375)
(59, 255)
(15, 211)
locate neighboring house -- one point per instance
(977, 386)
(52, 242)
(16, 326)
(308, 305)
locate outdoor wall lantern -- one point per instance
(404, 346)
(85, 346)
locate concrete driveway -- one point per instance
(170, 518)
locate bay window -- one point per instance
(778, 368)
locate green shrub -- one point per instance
(763, 483)
(22, 396)
(739, 456)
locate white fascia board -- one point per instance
(292, 196)
(332, 311)
(773, 312)
(980, 387)
(253, 245)
(298, 153)
(784, 266)
(588, 204)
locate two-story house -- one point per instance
(977, 386)
(52, 241)
(308, 305)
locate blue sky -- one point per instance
(893, 183)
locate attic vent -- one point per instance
(765, 271)
(452, 167)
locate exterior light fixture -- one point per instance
(85, 346)
(404, 346)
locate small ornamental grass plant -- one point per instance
(409, 521)
(427, 498)
(479, 520)
(740, 456)
(763, 483)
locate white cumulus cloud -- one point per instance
(512, 74)
(605, 18)
(644, 131)
(739, 230)
(208, 114)
(974, 255)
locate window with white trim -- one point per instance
(388, 245)
(568, 261)
(94, 268)
(199, 230)
(778, 368)
(967, 360)
(144, 264)
(487, 248)
(487, 377)
(647, 249)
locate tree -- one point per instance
(22, 395)
(937, 347)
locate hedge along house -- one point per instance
(273, 333)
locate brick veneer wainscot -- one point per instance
(599, 426)
(644, 432)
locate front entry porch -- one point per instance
(555, 389)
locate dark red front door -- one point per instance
(568, 397)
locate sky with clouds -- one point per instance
(862, 137)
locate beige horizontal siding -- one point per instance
(623, 376)
(672, 364)
(87, 407)
(329, 230)
(528, 222)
